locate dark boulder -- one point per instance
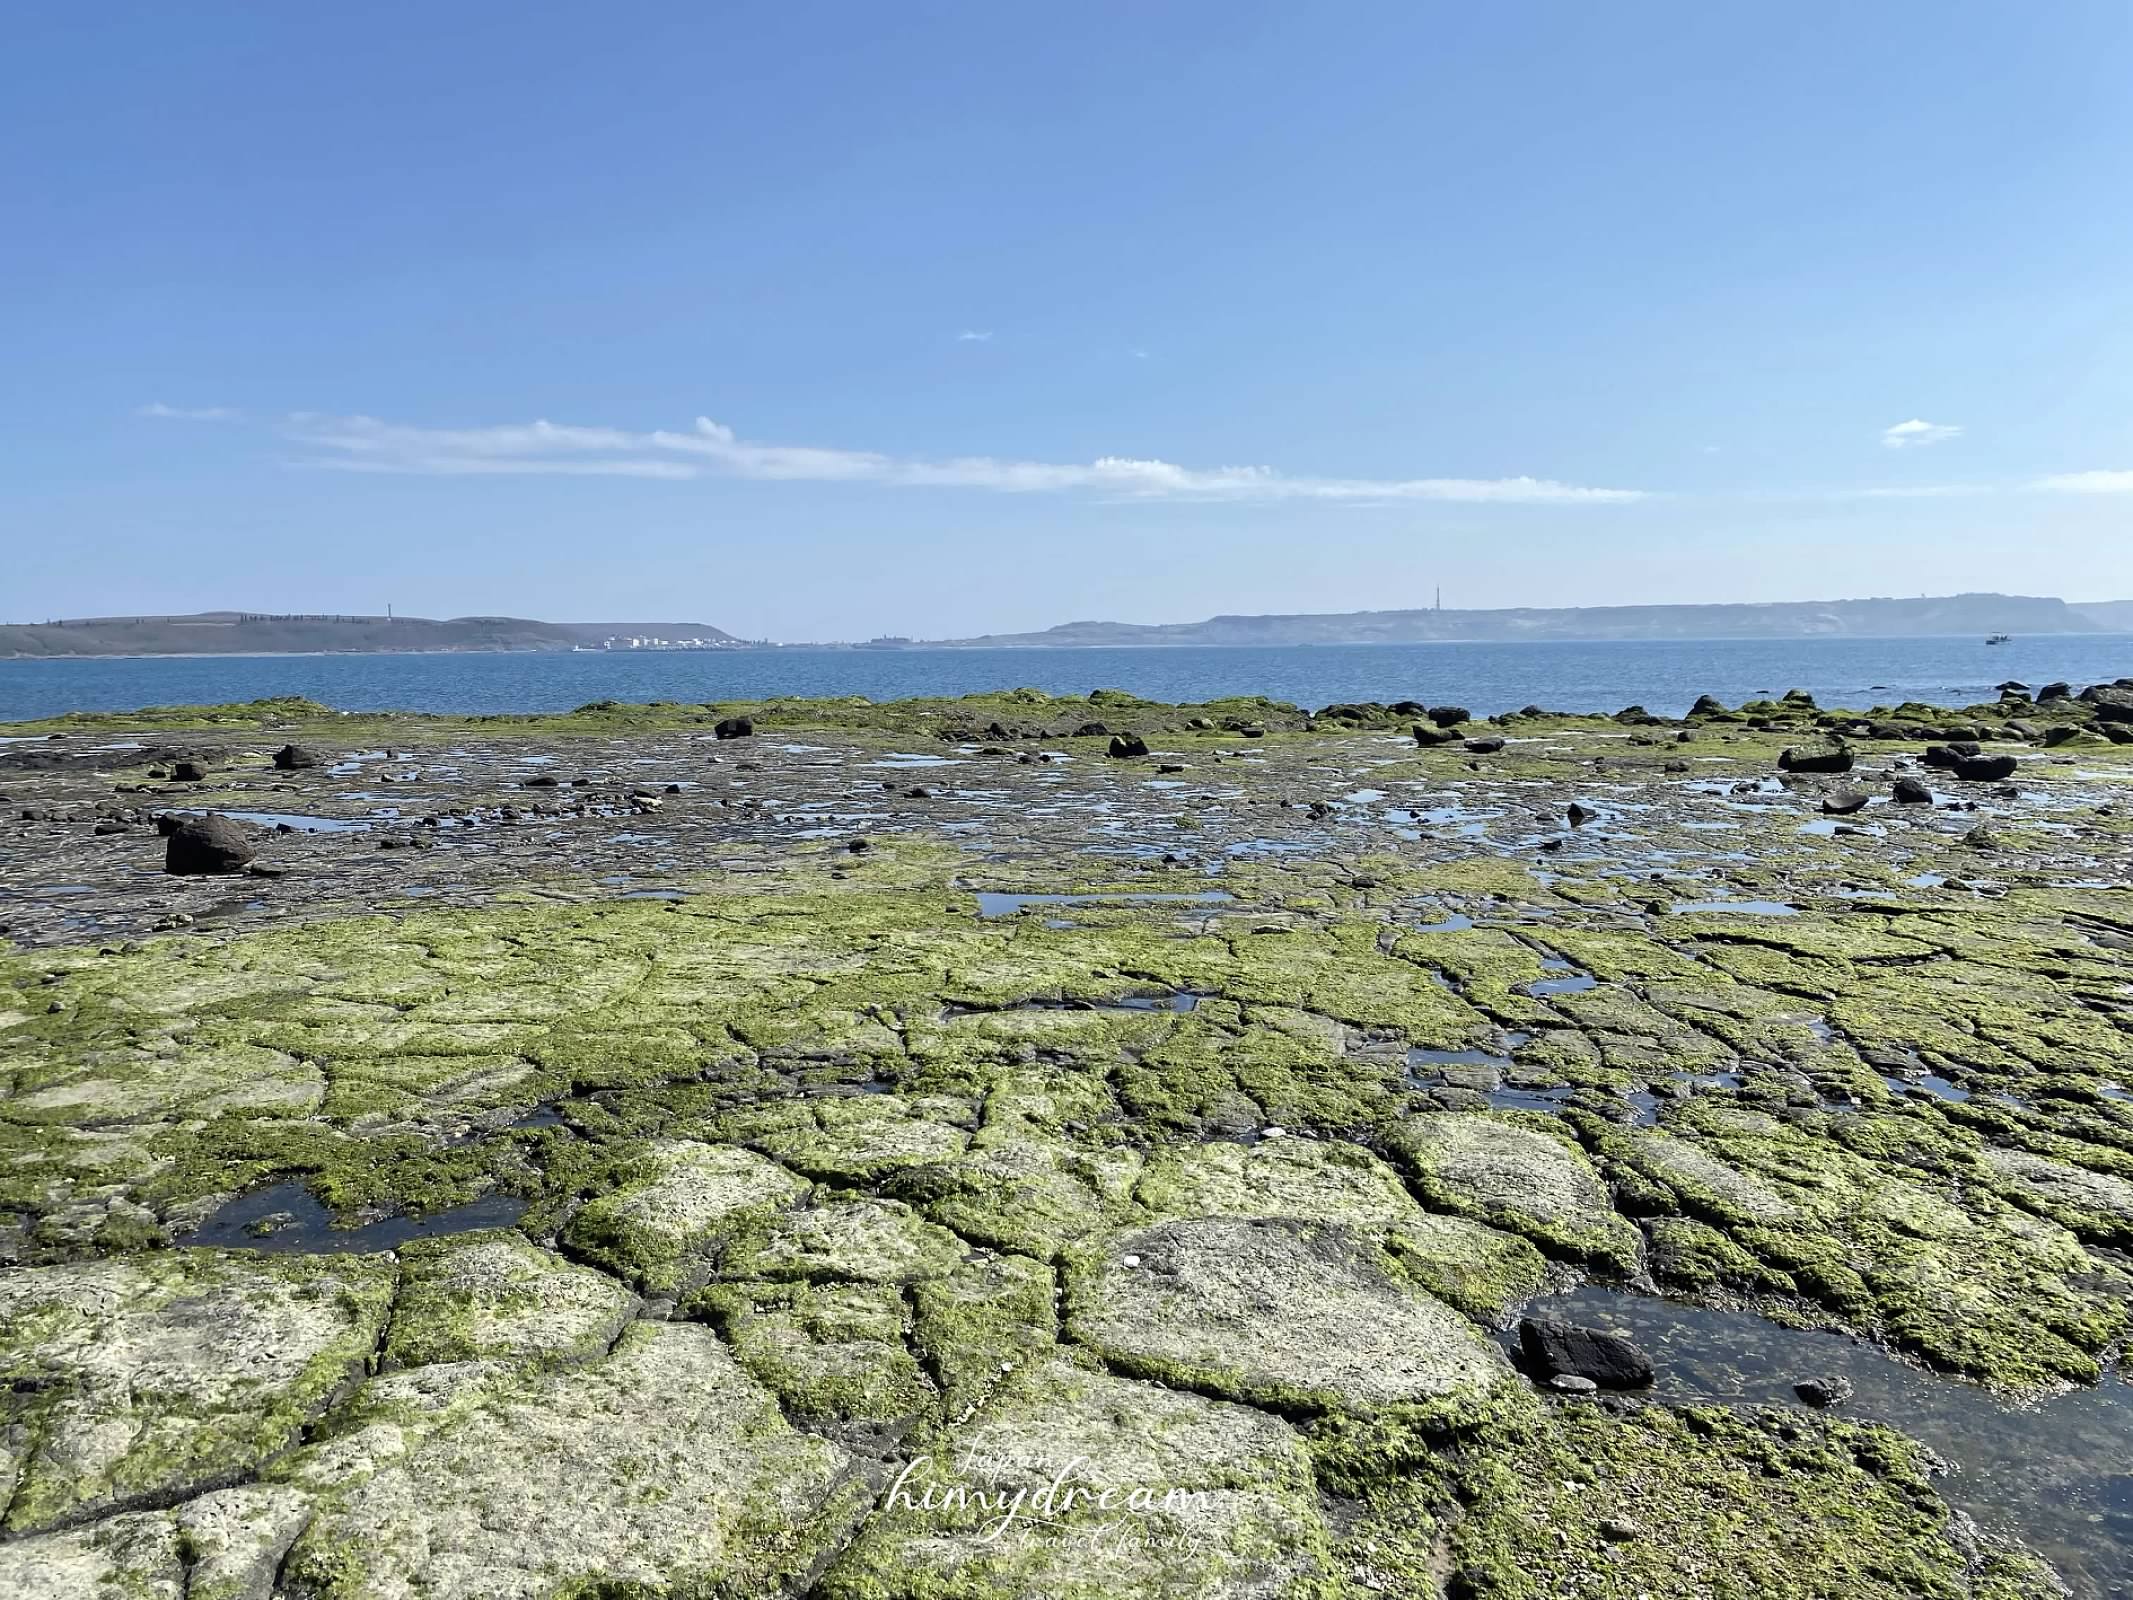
(2112, 702)
(1912, 792)
(1125, 746)
(2056, 691)
(1985, 769)
(295, 758)
(1832, 758)
(733, 728)
(207, 844)
(1709, 706)
(1844, 802)
(190, 772)
(1822, 1392)
(1555, 1349)
(1449, 716)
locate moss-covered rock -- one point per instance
(1277, 1312)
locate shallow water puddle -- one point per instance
(291, 819)
(286, 1219)
(2057, 1473)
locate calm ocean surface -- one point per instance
(1662, 676)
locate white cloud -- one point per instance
(974, 336)
(365, 444)
(188, 413)
(2087, 483)
(1916, 432)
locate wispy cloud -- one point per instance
(1911, 435)
(974, 336)
(2087, 483)
(188, 413)
(365, 444)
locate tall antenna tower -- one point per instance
(1440, 597)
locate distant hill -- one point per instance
(1807, 619)
(2116, 615)
(261, 633)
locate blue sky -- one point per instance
(821, 321)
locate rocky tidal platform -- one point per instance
(1033, 1147)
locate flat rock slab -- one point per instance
(1276, 1312)
(499, 1297)
(657, 1470)
(157, 1376)
(1314, 1180)
(225, 1545)
(1518, 1178)
(1117, 1488)
(695, 1195)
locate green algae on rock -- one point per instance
(1278, 1313)
(144, 1379)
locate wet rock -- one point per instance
(1125, 746)
(1580, 814)
(1709, 706)
(1986, 769)
(1911, 792)
(189, 772)
(296, 758)
(1844, 802)
(1823, 1392)
(733, 728)
(204, 845)
(2055, 691)
(1552, 1349)
(1832, 758)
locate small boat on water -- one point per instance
(2000, 638)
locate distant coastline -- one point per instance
(260, 634)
